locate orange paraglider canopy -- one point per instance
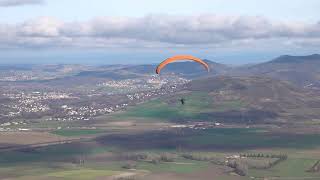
(181, 58)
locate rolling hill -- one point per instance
(303, 71)
(262, 95)
(227, 99)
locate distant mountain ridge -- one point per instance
(303, 71)
(186, 69)
(299, 70)
(296, 59)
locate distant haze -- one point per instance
(99, 58)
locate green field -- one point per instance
(293, 167)
(82, 174)
(226, 139)
(177, 167)
(243, 138)
(44, 154)
(54, 170)
(195, 107)
(100, 154)
(59, 158)
(158, 109)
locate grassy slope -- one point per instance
(196, 104)
(293, 167)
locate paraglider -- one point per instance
(181, 58)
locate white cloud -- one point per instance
(9, 3)
(41, 27)
(157, 31)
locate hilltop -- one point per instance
(302, 71)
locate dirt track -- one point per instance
(213, 172)
(24, 138)
(36, 145)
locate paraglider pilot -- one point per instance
(182, 101)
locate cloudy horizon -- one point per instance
(236, 38)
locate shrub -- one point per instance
(166, 157)
(196, 157)
(127, 178)
(135, 156)
(129, 166)
(240, 167)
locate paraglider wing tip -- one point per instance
(157, 70)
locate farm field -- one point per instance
(103, 157)
(140, 143)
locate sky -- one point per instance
(148, 31)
